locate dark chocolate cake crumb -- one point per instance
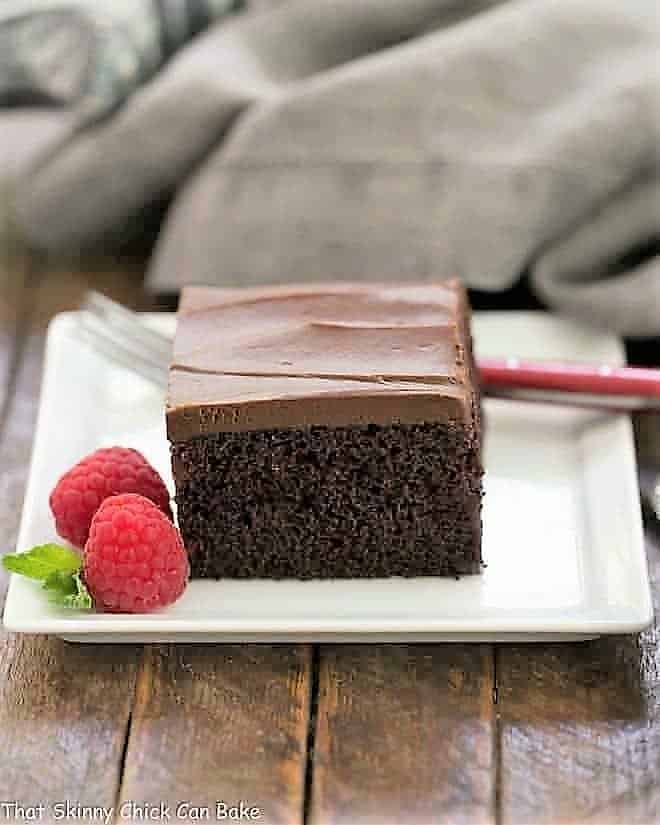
(332, 502)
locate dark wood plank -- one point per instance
(64, 709)
(405, 733)
(16, 442)
(225, 722)
(647, 436)
(580, 728)
(13, 276)
(55, 288)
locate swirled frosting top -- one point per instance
(332, 354)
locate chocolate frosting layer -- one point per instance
(335, 355)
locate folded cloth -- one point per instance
(88, 54)
(24, 134)
(391, 140)
(583, 273)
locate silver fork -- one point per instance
(125, 337)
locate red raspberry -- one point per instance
(108, 472)
(134, 560)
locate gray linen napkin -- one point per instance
(390, 139)
(583, 274)
(92, 55)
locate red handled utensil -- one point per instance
(586, 385)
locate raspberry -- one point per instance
(107, 472)
(134, 560)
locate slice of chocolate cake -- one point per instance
(326, 431)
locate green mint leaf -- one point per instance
(58, 568)
(60, 583)
(43, 561)
(81, 599)
(68, 591)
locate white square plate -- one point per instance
(563, 535)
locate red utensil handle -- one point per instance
(582, 378)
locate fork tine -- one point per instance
(129, 324)
(123, 337)
(123, 351)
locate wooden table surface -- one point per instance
(530, 734)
